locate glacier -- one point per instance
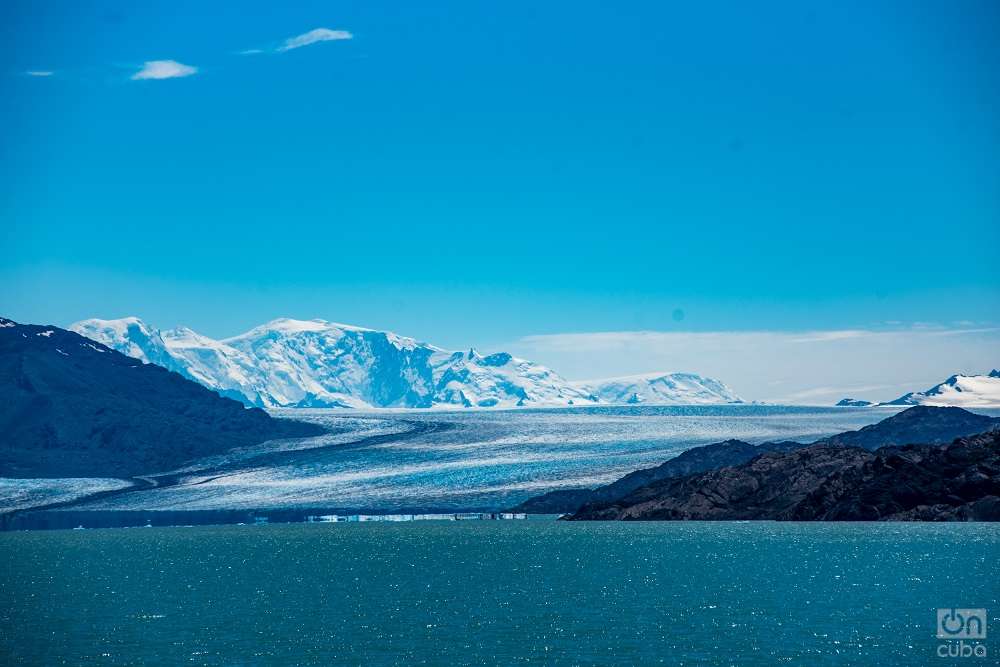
(321, 364)
(464, 460)
(19, 494)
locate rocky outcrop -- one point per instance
(73, 407)
(919, 424)
(828, 482)
(956, 482)
(923, 424)
(853, 403)
(697, 459)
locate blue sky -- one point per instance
(489, 172)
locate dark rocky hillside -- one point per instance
(955, 482)
(75, 408)
(919, 424)
(696, 459)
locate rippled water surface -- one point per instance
(493, 593)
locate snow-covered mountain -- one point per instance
(294, 363)
(130, 336)
(958, 390)
(660, 389)
(314, 363)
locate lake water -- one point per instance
(494, 593)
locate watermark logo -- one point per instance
(961, 624)
(965, 632)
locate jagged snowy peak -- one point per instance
(196, 357)
(958, 390)
(661, 389)
(130, 336)
(318, 363)
(471, 379)
(295, 363)
(216, 365)
(284, 327)
(315, 363)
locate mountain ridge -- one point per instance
(316, 363)
(959, 481)
(959, 390)
(919, 424)
(659, 389)
(74, 407)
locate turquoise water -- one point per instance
(485, 593)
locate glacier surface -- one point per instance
(469, 460)
(19, 494)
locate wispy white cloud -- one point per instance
(827, 336)
(39, 72)
(314, 37)
(849, 391)
(963, 332)
(250, 52)
(819, 366)
(164, 69)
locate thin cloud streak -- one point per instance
(314, 37)
(848, 391)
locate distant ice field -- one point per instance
(18, 494)
(474, 459)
